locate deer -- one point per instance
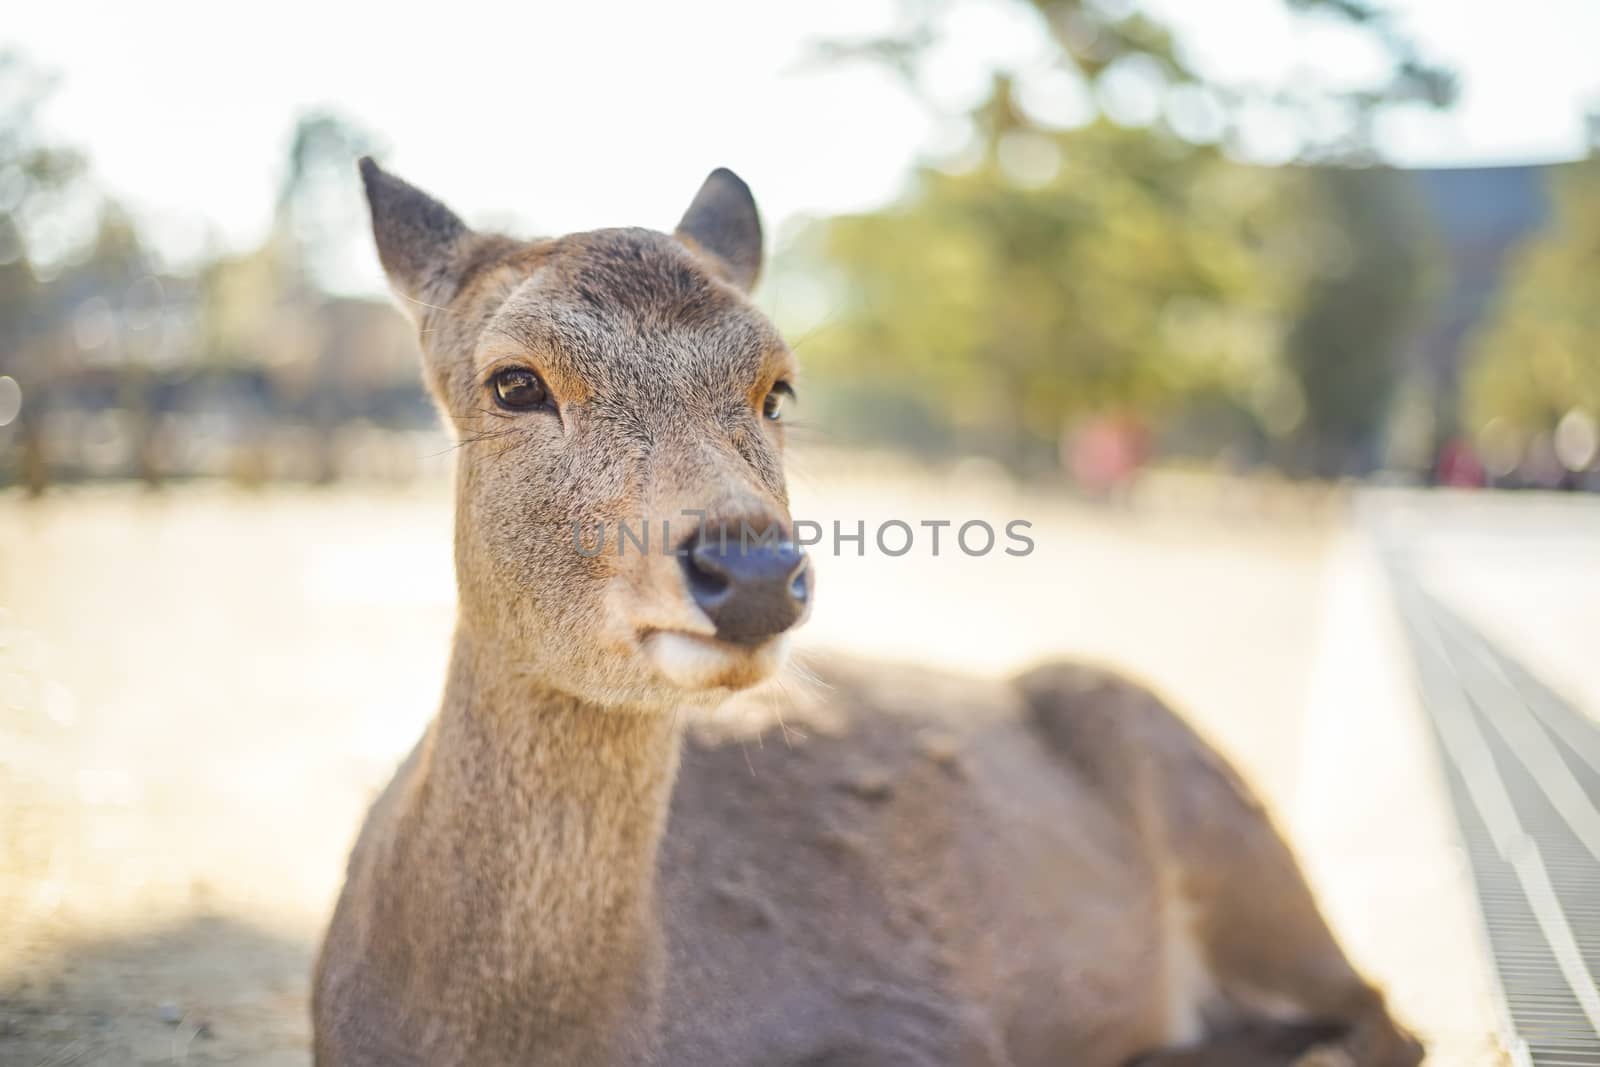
(589, 859)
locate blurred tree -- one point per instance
(1064, 264)
(61, 244)
(321, 214)
(273, 311)
(320, 211)
(257, 306)
(1364, 268)
(253, 365)
(38, 180)
(1010, 307)
(1113, 48)
(1537, 357)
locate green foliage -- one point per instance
(1538, 356)
(1135, 269)
(1146, 278)
(1022, 307)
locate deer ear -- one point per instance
(418, 238)
(722, 224)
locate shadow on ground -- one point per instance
(208, 990)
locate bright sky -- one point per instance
(561, 116)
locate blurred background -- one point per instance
(1253, 308)
(1318, 237)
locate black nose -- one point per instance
(750, 586)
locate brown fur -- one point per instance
(575, 866)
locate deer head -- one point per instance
(622, 524)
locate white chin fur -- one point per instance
(691, 661)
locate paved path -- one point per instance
(1521, 760)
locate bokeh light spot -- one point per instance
(10, 399)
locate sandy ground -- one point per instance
(200, 689)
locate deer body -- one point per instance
(581, 863)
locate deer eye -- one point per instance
(772, 406)
(519, 389)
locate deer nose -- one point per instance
(750, 587)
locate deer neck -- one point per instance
(551, 811)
